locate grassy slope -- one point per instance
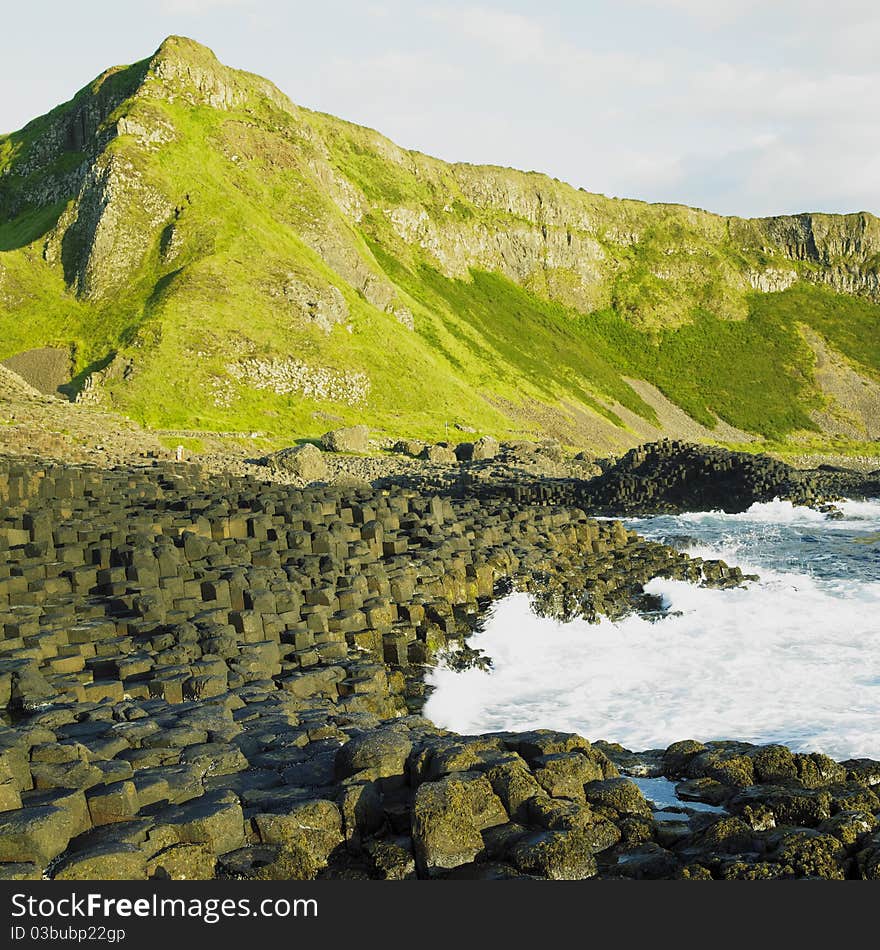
(672, 307)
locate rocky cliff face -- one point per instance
(560, 242)
(177, 184)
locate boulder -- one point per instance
(383, 752)
(361, 806)
(728, 835)
(538, 742)
(647, 862)
(807, 853)
(303, 461)
(552, 450)
(268, 862)
(485, 448)
(564, 774)
(868, 858)
(849, 827)
(352, 439)
(558, 855)
(619, 794)
(410, 447)
(112, 803)
(447, 818)
(35, 834)
(438, 454)
(314, 827)
(789, 806)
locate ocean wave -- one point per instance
(793, 657)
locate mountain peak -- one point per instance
(182, 49)
(178, 193)
(192, 70)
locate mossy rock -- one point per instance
(807, 853)
(678, 755)
(183, 862)
(728, 835)
(381, 752)
(619, 794)
(109, 862)
(447, 818)
(557, 855)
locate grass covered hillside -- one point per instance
(209, 255)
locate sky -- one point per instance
(748, 107)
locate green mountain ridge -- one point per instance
(214, 257)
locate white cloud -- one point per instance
(712, 13)
(719, 13)
(518, 38)
(401, 73)
(198, 7)
(525, 40)
(668, 111)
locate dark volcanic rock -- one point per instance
(677, 476)
(215, 676)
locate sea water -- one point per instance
(793, 657)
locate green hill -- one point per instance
(212, 256)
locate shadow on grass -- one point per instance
(73, 388)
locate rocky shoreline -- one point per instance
(218, 676)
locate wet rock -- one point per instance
(558, 855)
(646, 862)
(774, 764)
(693, 872)
(677, 757)
(728, 835)
(539, 742)
(849, 827)
(867, 860)
(649, 764)
(789, 806)
(564, 775)
(724, 766)
(754, 871)
(618, 795)
(816, 771)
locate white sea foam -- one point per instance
(779, 512)
(793, 657)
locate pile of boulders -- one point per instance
(671, 476)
